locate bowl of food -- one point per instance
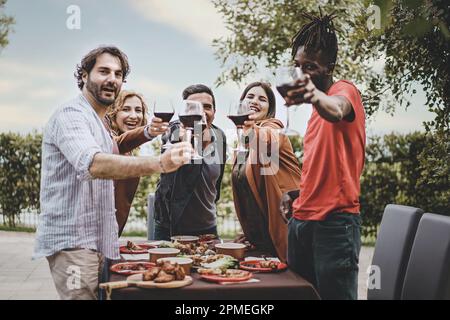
(158, 253)
(236, 250)
(185, 263)
(185, 239)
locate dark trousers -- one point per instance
(326, 253)
(163, 233)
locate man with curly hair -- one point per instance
(77, 225)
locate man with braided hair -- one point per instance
(324, 231)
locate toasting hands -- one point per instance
(306, 92)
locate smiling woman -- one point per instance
(257, 195)
(128, 112)
(126, 118)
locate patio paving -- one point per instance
(24, 279)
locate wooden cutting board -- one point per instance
(135, 280)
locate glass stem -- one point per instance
(196, 153)
(239, 134)
(168, 144)
(188, 136)
(287, 118)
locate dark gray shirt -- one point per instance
(200, 213)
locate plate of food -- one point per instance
(129, 268)
(213, 261)
(185, 239)
(133, 248)
(228, 275)
(263, 265)
(207, 238)
(193, 248)
(161, 244)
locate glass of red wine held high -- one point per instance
(165, 112)
(239, 113)
(192, 117)
(285, 81)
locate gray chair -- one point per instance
(428, 273)
(392, 249)
(151, 216)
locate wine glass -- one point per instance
(164, 111)
(285, 79)
(239, 113)
(192, 114)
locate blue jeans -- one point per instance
(162, 233)
(326, 253)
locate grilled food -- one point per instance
(164, 272)
(133, 247)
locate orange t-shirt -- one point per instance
(333, 161)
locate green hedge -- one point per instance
(399, 169)
(20, 167)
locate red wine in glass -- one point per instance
(165, 111)
(165, 116)
(239, 119)
(284, 88)
(239, 113)
(188, 120)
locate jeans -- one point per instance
(162, 233)
(326, 253)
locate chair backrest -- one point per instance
(151, 216)
(428, 273)
(392, 249)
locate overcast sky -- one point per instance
(168, 43)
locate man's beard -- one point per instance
(96, 91)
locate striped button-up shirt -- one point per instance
(77, 211)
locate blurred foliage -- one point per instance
(20, 167)
(262, 31)
(411, 43)
(146, 186)
(394, 173)
(6, 23)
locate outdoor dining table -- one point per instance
(283, 285)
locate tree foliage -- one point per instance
(146, 186)
(6, 23)
(262, 31)
(20, 163)
(413, 43)
(393, 173)
(412, 40)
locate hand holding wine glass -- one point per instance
(305, 92)
(163, 113)
(288, 79)
(240, 115)
(192, 114)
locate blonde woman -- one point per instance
(127, 119)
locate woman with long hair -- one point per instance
(127, 119)
(263, 173)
